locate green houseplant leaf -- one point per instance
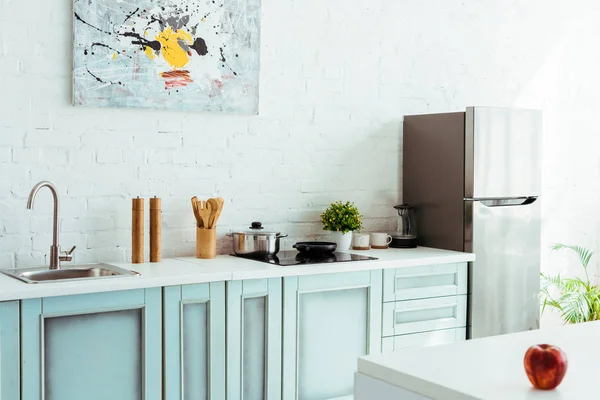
(341, 217)
(575, 299)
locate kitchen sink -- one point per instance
(70, 273)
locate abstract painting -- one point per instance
(193, 55)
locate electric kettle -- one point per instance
(406, 235)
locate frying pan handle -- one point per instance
(300, 247)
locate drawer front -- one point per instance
(432, 338)
(424, 282)
(414, 316)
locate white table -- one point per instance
(482, 369)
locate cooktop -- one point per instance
(287, 258)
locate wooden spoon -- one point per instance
(214, 207)
(221, 203)
(204, 210)
(196, 213)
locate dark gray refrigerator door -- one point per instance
(504, 281)
(502, 152)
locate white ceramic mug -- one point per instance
(380, 239)
(360, 240)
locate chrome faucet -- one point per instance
(55, 257)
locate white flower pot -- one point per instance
(343, 240)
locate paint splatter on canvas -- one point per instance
(195, 55)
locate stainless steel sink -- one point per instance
(71, 273)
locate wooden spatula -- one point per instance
(196, 213)
(221, 203)
(214, 208)
(204, 210)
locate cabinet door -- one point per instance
(9, 351)
(94, 346)
(328, 322)
(194, 345)
(254, 339)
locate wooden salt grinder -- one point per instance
(137, 231)
(155, 229)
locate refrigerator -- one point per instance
(474, 178)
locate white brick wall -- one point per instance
(336, 79)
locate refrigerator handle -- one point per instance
(506, 201)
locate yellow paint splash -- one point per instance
(149, 53)
(171, 50)
(115, 56)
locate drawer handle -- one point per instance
(424, 314)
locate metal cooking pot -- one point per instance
(256, 241)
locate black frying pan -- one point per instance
(315, 248)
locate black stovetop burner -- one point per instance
(287, 258)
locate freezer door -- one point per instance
(504, 281)
(502, 152)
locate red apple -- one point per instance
(545, 365)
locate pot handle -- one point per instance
(281, 236)
(299, 247)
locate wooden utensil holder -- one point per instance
(206, 243)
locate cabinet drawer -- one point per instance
(424, 282)
(424, 315)
(432, 338)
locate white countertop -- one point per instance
(242, 268)
(182, 271)
(492, 368)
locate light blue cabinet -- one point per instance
(254, 339)
(9, 351)
(328, 322)
(194, 342)
(94, 346)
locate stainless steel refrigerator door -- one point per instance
(502, 152)
(504, 281)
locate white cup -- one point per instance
(380, 239)
(360, 240)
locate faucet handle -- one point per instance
(68, 256)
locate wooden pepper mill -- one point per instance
(155, 229)
(137, 231)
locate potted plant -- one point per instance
(576, 299)
(342, 219)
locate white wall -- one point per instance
(336, 79)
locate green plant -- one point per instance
(577, 300)
(341, 217)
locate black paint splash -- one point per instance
(108, 47)
(200, 47)
(224, 61)
(95, 77)
(131, 15)
(87, 23)
(153, 44)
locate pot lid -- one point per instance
(256, 228)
